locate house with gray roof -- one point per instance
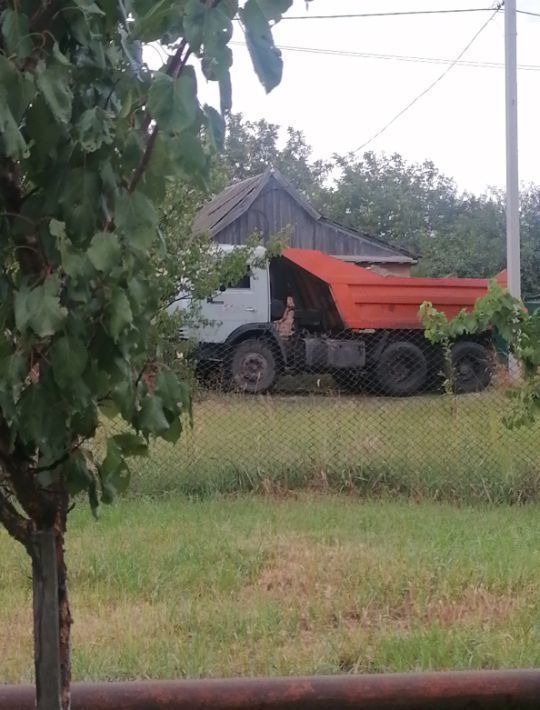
(268, 204)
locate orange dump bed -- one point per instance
(365, 299)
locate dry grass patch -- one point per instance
(328, 584)
(122, 621)
(476, 605)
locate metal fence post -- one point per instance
(46, 632)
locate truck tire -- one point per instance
(253, 366)
(472, 367)
(402, 369)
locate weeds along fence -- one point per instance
(414, 422)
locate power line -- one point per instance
(404, 13)
(397, 57)
(432, 85)
(528, 12)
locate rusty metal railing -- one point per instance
(489, 690)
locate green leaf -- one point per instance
(109, 178)
(212, 28)
(141, 295)
(39, 309)
(174, 431)
(86, 421)
(105, 251)
(89, 7)
(152, 419)
(57, 229)
(127, 105)
(215, 65)
(80, 200)
(60, 58)
(173, 102)
(216, 127)
(131, 444)
(16, 33)
(124, 397)
(68, 357)
(113, 472)
(16, 93)
(16, 88)
(95, 128)
(133, 150)
(225, 93)
(187, 153)
(194, 23)
(13, 372)
(120, 315)
(46, 135)
(42, 419)
(77, 475)
(265, 56)
(74, 264)
(93, 499)
(54, 84)
(173, 393)
(136, 218)
(151, 19)
(78, 268)
(14, 143)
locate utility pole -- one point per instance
(513, 257)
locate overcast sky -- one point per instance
(339, 102)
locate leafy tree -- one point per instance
(417, 207)
(89, 140)
(530, 240)
(470, 243)
(405, 204)
(253, 146)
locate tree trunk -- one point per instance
(64, 620)
(52, 618)
(46, 645)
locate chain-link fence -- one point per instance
(414, 420)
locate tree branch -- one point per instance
(42, 15)
(60, 460)
(141, 167)
(174, 69)
(19, 527)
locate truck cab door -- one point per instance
(247, 301)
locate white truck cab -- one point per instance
(236, 305)
(236, 328)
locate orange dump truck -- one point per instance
(364, 299)
(310, 312)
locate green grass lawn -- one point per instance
(432, 447)
(293, 585)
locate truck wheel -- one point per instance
(471, 367)
(253, 366)
(402, 369)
